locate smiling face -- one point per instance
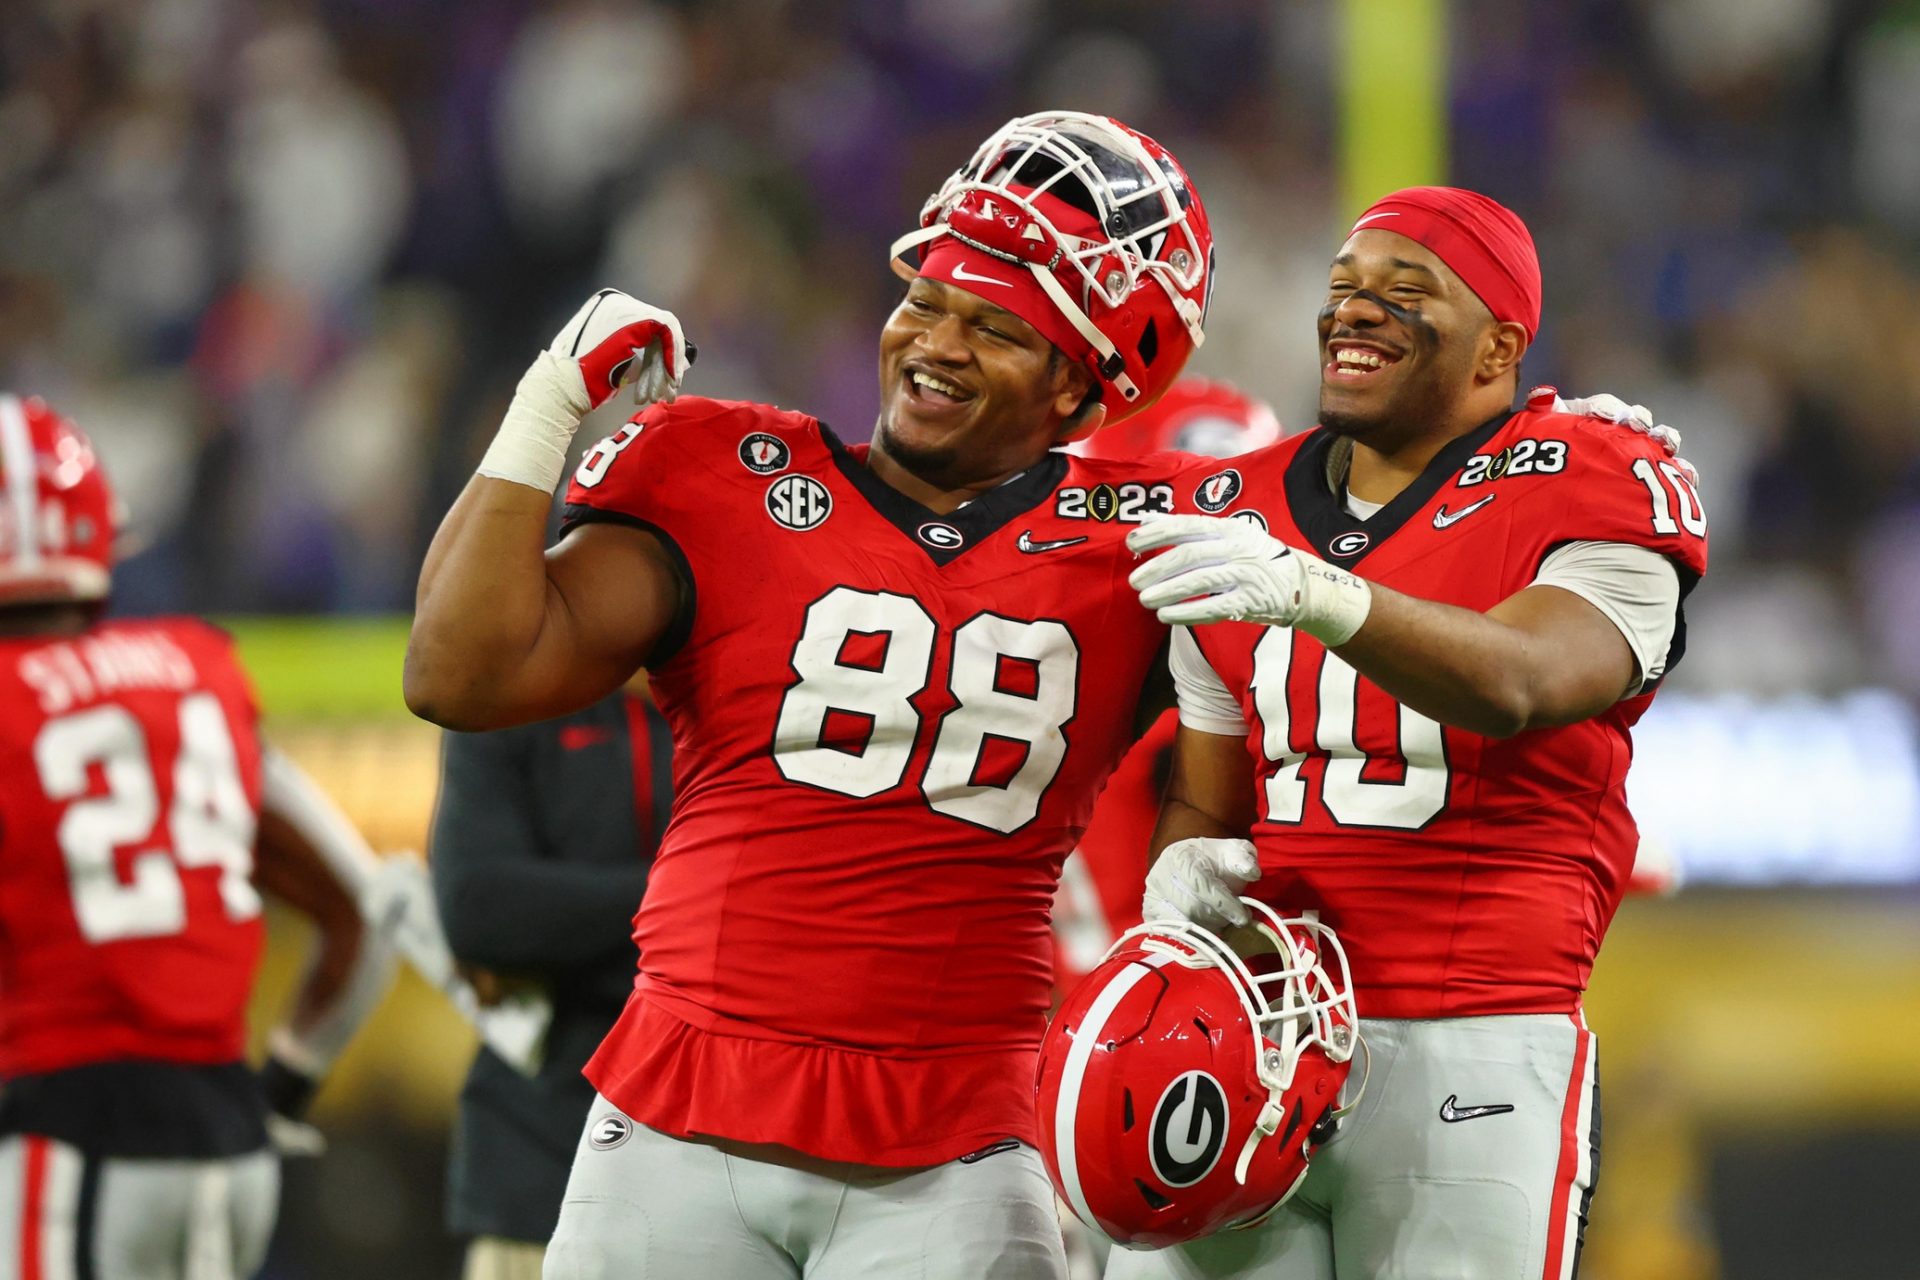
(1406, 348)
(968, 390)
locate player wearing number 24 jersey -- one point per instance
(138, 811)
(903, 721)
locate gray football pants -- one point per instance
(643, 1206)
(1471, 1157)
(119, 1219)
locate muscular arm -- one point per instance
(506, 632)
(1541, 657)
(1209, 792)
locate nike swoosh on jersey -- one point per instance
(960, 272)
(1443, 517)
(1028, 545)
(1454, 1114)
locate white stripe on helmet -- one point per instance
(1067, 1107)
(22, 483)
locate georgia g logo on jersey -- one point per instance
(1189, 1130)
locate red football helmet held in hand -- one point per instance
(1181, 1089)
(58, 515)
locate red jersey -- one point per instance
(889, 728)
(1102, 884)
(129, 798)
(1465, 874)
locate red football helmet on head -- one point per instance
(57, 513)
(1196, 415)
(1089, 231)
(1182, 1088)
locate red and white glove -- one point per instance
(613, 340)
(1200, 879)
(1634, 417)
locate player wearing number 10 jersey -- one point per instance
(1433, 656)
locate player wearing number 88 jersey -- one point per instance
(917, 712)
(896, 673)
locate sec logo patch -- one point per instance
(1217, 492)
(763, 454)
(799, 502)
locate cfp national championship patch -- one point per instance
(1128, 503)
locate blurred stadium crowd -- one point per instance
(285, 260)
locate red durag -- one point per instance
(1484, 242)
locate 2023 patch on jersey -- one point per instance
(1466, 875)
(889, 729)
(129, 925)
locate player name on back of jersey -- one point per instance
(67, 673)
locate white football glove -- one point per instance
(1239, 573)
(1634, 417)
(613, 340)
(1200, 880)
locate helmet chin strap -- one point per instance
(1113, 366)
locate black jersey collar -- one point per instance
(946, 537)
(1322, 517)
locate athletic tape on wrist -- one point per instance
(1336, 602)
(531, 446)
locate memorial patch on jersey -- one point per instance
(1217, 492)
(1129, 503)
(799, 502)
(763, 454)
(1189, 1130)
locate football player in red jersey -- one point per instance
(1432, 631)
(139, 817)
(896, 672)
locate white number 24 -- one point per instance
(210, 822)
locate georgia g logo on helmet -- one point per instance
(1189, 1129)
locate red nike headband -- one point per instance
(1007, 285)
(1482, 241)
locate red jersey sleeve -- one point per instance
(1621, 487)
(661, 472)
